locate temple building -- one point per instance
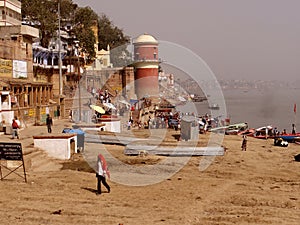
(146, 64)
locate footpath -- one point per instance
(34, 158)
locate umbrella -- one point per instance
(181, 98)
(109, 105)
(98, 109)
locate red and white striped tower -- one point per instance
(146, 64)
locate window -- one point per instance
(55, 61)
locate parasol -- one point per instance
(97, 108)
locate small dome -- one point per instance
(145, 38)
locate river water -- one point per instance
(259, 108)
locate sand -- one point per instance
(258, 186)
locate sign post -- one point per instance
(11, 152)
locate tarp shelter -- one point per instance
(182, 99)
(133, 101)
(80, 136)
(124, 102)
(97, 108)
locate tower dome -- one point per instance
(145, 38)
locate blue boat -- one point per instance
(290, 137)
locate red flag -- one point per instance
(295, 108)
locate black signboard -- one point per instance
(8, 152)
(11, 151)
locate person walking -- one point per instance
(15, 127)
(71, 115)
(244, 143)
(128, 124)
(101, 173)
(49, 123)
(19, 126)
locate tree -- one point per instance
(85, 22)
(43, 14)
(109, 34)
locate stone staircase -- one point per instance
(38, 160)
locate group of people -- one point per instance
(16, 125)
(276, 132)
(103, 97)
(207, 122)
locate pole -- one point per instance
(295, 112)
(79, 92)
(94, 77)
(59, 52)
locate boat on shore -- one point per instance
(198, 98)
(214, 106)
(260, 133)
(232, 129)
(290, 137)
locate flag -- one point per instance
(295, 108)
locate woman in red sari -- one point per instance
(101, 173)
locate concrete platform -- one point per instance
(173, 151)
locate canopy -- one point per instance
(124, 102)
(133, 101)
(164, 110)
(109, 105)
(264, 128)
(181, 98)
(98, 109)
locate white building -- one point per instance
(102, 60)
(6, 114)
(10, 12)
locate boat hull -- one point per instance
(290, 137)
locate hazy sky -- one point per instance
(247, 39)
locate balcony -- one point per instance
(29, 31)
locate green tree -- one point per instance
(109, 34)
(43, 14)
(85, 22)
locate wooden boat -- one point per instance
(248, 132)
(263, 132)
(232, 129)
(290, 137)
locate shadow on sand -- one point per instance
(90, 189)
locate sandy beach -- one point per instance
(258, 186)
